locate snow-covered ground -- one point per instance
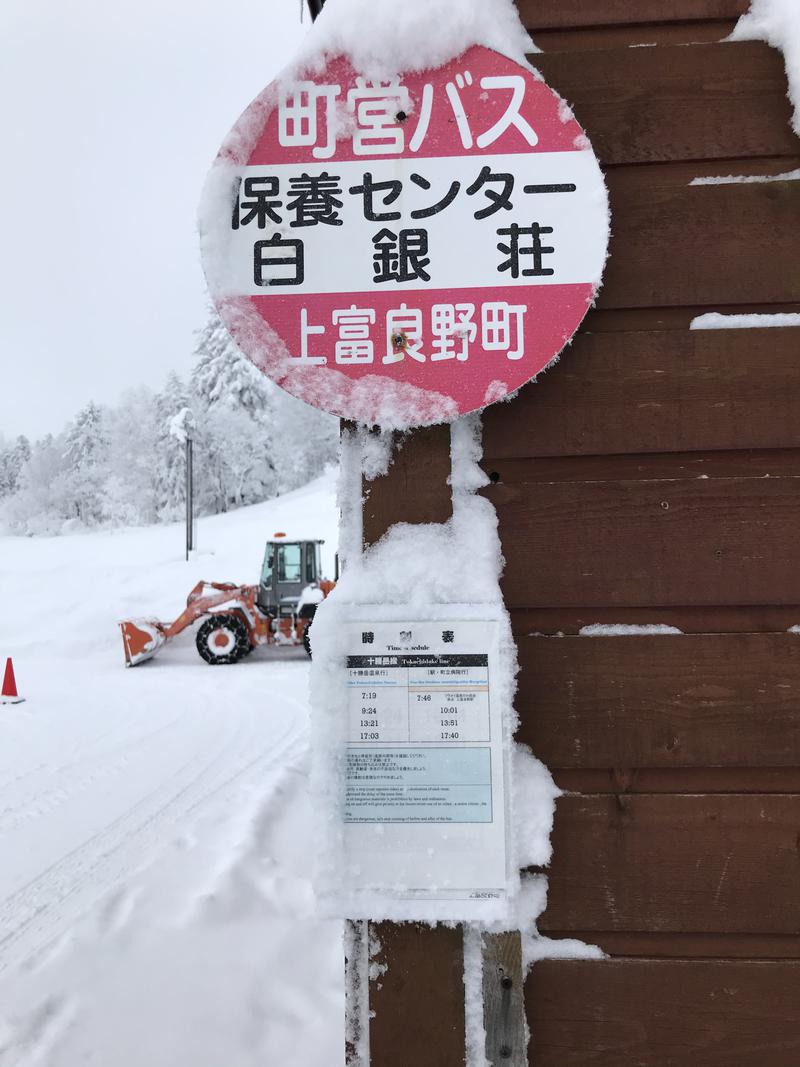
(155, 900)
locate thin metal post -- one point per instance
(189, 497)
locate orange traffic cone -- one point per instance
(9, 694)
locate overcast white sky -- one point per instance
(111, 112)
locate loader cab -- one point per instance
(289, 568)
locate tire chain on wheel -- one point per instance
(234, 626)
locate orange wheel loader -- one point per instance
(238, 618)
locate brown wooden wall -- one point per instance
(653, 476)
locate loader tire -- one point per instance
(307, 640)
(222, 639)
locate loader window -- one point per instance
(288, 561)
(311, 564)
(269, 563)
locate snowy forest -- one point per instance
(125, 465)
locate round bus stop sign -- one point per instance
(404, 252)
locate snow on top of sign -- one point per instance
(716, 320)
(748, 179)
(778, 23)
(383, 38)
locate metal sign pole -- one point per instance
(189, 497)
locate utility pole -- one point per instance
(181, 427)
(189, 494)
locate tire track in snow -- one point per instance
(88, 866)
(28, 1043)
(37, 804)
(38, 912)
(80, 755)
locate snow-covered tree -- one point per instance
(232, 408)
(42, 503)
(12, 460)
(307, 441)
(86, 438)
(222, 376)
(169, 458)
(129, 491)
(126, 465)
(85, 456)
(285, 443)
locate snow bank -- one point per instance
(778, 23)
(155, 883)
(715, 320)
(383, 38)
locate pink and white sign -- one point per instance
(401, 253)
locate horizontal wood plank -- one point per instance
(617, 779)
(654, 467)
(675, 864)
(551, 14)
(711, 619)
(674, 244)
(689, 946)
(630, 543)
(655, 391)
(648, 105)
(659, 319)
(621, 1013)
(716, 700)
(634, 34)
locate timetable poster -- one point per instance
(424, 804)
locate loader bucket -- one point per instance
(142, 639)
